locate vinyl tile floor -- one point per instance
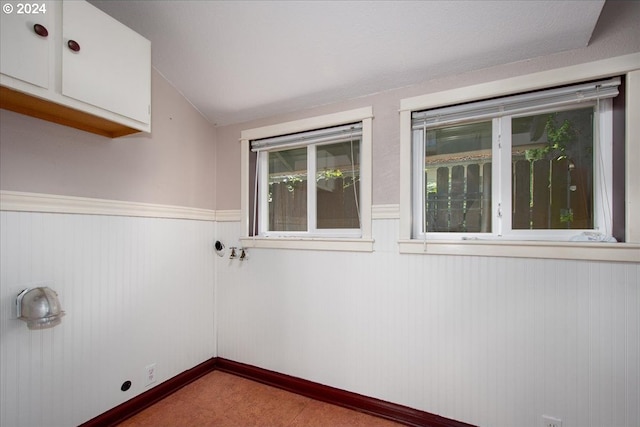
(225, 400)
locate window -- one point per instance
(290, 203)
(536, 166)
(307, 183)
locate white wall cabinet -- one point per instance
(89, 71)
(23, 53)
(119, 65)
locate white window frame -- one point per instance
(343, 240)
(312, 199)
(501, 190)
(627, 65)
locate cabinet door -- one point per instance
(111, 69)
(24, 54)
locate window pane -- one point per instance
(338, 180)
(458, 178)
(288, 190)
(552, 158)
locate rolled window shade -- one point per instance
(327, 135)
(516, 104)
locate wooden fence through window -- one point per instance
(336, 205)
(546, 194)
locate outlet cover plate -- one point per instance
(150, 374)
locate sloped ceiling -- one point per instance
(240, 60)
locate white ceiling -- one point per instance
(241, 60)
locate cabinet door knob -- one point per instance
(73, 45)
(40, 30)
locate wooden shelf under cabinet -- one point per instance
(46, 110)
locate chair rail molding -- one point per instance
(51, 203)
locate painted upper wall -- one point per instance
(179, 162)
(174, 165)
(616, 34)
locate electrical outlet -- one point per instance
(150, 374)
(548, 421)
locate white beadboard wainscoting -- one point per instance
(492, 341)
(136, 291)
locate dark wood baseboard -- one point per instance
(335, 396)
(142, 401)
(358, 402)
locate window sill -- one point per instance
(590, 251)
(308, 243)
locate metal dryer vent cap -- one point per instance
(39, 307)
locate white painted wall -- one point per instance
(136, 291)
(490, 341)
